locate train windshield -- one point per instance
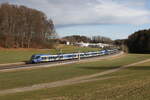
(35, 57)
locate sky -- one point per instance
(116, 19)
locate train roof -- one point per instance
(42, 55)
(69, 54)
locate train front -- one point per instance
(35, 59)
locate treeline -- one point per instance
(22, 27)
(138, 42)
(101, 39)
(77, 38)
(94, 39)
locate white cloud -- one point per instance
(74, 12)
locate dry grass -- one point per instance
(129, 84)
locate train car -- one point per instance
(104, 52)
(111, 51)
(43, 58)
(69, 56)
(82, 55)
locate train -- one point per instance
(39, 58)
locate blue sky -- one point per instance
(112, 18)
(114, 31)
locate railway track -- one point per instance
(51, 64)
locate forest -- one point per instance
(139, 42)
(22, 27)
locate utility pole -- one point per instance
(60, 54)
(79, 55)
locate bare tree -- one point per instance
(24, 27)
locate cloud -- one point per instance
(74, 12)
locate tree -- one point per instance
(24, 27)
(139, 42)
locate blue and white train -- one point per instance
(38, 58)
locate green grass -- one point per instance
(129, 84)
(12, 55)
(30, 77)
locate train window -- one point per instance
(52, 57)
(37, 57)
(49, 57)
(44, 58)
(69, 55)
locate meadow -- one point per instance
(21, 55)
(128, 84)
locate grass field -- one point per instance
(18, 55)
(129, 84)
